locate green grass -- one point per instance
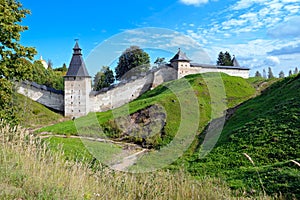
(32, 114)
(28, 170)
(267, 129)
(206, 88)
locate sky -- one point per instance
(260, 33)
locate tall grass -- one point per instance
(29, 170)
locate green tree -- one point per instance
(224, 59)
(270, 73)
(132, 58)
(159, 61)
(63, 68)
(258, 74)
(11, 52)
(264, 73)
(11, 15)
(103, 78)
(296, 71)
(281, 74)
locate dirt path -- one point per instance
(129, 155)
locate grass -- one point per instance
(32, 114)
(267, 129)
(30, 171)
(201, 91)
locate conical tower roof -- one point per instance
(180, 56)
(77, 66)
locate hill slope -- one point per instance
(205, 87)
(32, 114)
(265, 129)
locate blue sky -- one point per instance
(260, 33)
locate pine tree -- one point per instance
(264, 73)
(258, 74)
(296, 70)
(281, 74)
(270, 73)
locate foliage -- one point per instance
(32, 114)
(31, 171)
(160, 61)
(281, 74)
(104, 78)
(267, 129)
(132, 58)
(13, 65)
(258, 74)
(47, 77)
(224, 59)
(270, 73)
(62, 69)
(236, 88)
(296, 71)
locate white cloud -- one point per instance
(194, 2)
(292, 8)
(272, 61)
(243, 4)
(289, 28)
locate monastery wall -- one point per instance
(44, 95)
(125, 92)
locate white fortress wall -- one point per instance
(40, 94)
(125, 92)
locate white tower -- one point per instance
(77, 86)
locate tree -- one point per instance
(290, 73)
(270, 73)
(224, 59)
(160, 61)
(11, 16)
(132, 58)
(103, 78)
(264, 73)
(12, 52)
(281, 74)
(50, 64)
(296, 70)
(62, 69)
(258, 74)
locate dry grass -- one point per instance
(28, 170)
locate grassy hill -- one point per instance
(266, 131)
(32, 114)
(206, 88)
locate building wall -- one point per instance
(128, 91)
(184, 71)
(41, 95)
(77, 90)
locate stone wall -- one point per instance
(125, 92)
(49, 97)
(184, 71)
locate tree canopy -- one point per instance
(13, 55)
(224, 59)
(103, 78)
(11, 15)
(132, 58)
